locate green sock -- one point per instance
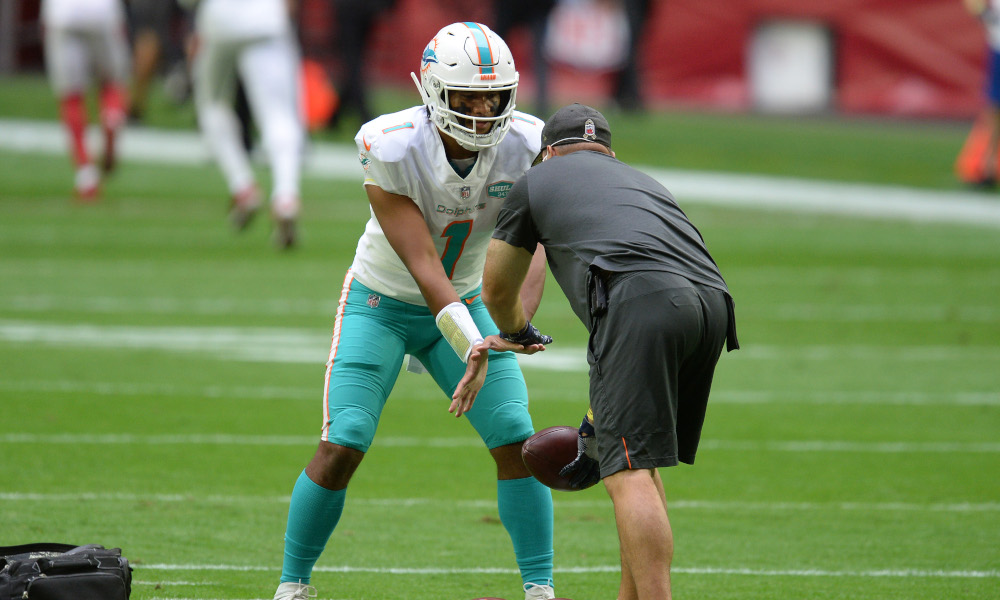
(525, 508)
(312, 517)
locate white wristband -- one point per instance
(457, 326)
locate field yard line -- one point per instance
(305, 346)
(598, 569)
(226, 439)
(720, 395)
(954, 507)
(858, 313)
(340, 161)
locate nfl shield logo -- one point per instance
(466, 192)
(589, 131)
(373, 300)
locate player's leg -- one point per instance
(365, 356)
(644, 532)
(500, 417)
(112, 63)
(214, 89)
(270, 73)
(66, 63)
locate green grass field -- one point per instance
(160, 385)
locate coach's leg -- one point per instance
(647, 544)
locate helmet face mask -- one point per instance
(466, 72)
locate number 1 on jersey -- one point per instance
(457, 233)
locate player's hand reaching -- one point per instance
(475, 370)
(584, 471)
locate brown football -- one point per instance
(547, 452)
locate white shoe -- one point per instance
(533, 591)
(243, 206)
(285, 211)
(87, 182)
(295, 591)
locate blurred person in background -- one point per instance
(252, 40)
(988, 11)
(534, 15)
(85, 42)
(150, 22)
(435, 176)
(626, 90)
(355, 25)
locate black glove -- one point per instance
(527, 336)
(584, 471)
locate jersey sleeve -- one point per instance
(379, 170)
(514, 224)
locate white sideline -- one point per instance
(719, 396)
(723, 505)
(289, 345)
(339, 161)
(992, 574)
(227, 439)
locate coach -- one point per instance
(638, 274)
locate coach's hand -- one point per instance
(584, 471)
(528, 336)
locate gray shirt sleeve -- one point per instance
(514, 224)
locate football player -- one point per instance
(436, 176)
(255, 38)
(83, 39)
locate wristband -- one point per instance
(456, 325)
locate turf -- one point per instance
(160, 380)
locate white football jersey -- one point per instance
(242, 19)
(88, 14)
(403, 154)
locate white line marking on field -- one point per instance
(226, 439)
(339, 161)
(599, 569)
(719, 396)
(41, 303)
(278, 344)
(169, 306)
(723, 505)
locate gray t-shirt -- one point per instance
(587, 208)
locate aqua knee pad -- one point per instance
(352, 426)
(500, 413)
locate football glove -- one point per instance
(527, 336)
(584, 471)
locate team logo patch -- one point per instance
(466, 192)
(589, 131)
(365, 161)
(500, 189)
(373, 300)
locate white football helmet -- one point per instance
(467, 57)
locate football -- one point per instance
(547, 452)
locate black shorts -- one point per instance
(652, 357)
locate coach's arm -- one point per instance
(506, 269)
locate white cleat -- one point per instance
(87, 183)
(243, 207)
(297, 591)
(533, 591)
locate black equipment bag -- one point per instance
(64, 572)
